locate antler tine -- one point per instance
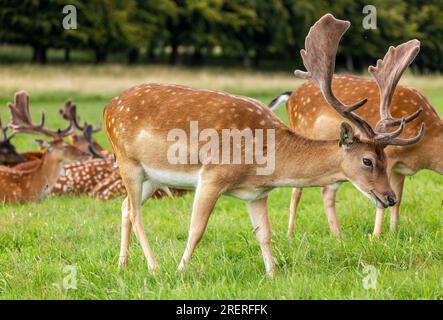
(97, 128)
(410, 141)
(321, 46)
(87, 132)
(21, 119)
(69, 112)
(387, 73)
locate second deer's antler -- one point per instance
(387, 73)
(319, 59)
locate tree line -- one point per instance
(245, 31)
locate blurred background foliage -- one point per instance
(250, 33)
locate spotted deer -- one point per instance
(148, 126)
(309, 115)
(82, 176)
(33, 180)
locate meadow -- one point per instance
(76, 240)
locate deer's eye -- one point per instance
(367, 162)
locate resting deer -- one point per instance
(149, 124)
(82, 176)
(402, 161)
(33, 180)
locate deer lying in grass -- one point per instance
(82, 176)
(33, 180)
(79, 177)
(148, 126)
(309, 115)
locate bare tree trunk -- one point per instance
(132, 56)
(100, 55)
(150, 53)
(39, 55)
(246, 62)
(174, 58)
(67, 55)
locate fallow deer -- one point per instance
(33, 180)
(309, 115)
(82, 176)
(149, 124)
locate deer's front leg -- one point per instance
(397, 184)
(379, 215)
(329, 194)
(206, 196)
(295, 200)
(258, 212)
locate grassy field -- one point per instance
(43, 245)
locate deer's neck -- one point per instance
(301, 162)
(428, 154)
(47, 174)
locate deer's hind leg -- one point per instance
(138, 191)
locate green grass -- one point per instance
(38, 240)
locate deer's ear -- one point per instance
(43, 145)
(346, 134)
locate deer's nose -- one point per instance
(391, 200)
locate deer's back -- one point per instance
(311, 116)
(138, 121)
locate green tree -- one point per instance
(202, 25)
(428, 17)
(37, 23)
(149, 20)
(363, 47)
(104, 25)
